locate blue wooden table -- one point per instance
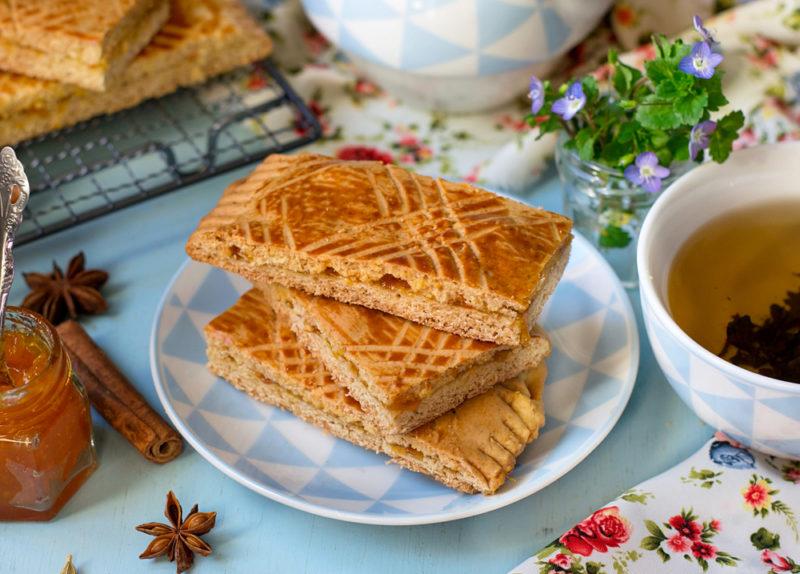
(142, 247)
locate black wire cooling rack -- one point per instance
(114, 161)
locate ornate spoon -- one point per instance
(14, 192)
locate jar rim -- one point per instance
(45, 331)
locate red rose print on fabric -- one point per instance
(604, 529)
(679, 544)
(686, 536)
(562, 561)
(704, 551)
(688, 528)
(363, 152)
(776, 561)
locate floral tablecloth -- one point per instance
(723, 509)
(762, 49)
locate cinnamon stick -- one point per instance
(116, 399)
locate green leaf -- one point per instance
(658, 138)
(627, 131)
(676, 86)
(725, 560)
(657, 114)
(654, 529)
(650, 543)
(659, 70)
(713, 87)
(636, 497)
(584, 143)
(551, 124)
(703, 564)
(622, 79)
(614, 237)
(662, 46)
(680, 50)
(590, 89)
(593, 568)
(664, 156)
(547, 550)
(690, 107)
(663, 555)
(679, 146)
(721, 140)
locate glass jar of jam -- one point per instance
(46, 442)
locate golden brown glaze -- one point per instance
(81, 29)
(438, 230)
(253, 326)
(201, 38)
(399, 356)
(473, 448)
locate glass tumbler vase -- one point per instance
(606, 208)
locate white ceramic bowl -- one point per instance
(459, 55)
(758, 411)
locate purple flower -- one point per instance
(701, 62)
(536, 94)
(646, 172)
(572, 102)
(703, 31)
(698, 139)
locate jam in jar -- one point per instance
(46, 443)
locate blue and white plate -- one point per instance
(592, 372)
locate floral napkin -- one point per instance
(724, 509)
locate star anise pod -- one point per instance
(60, 295)
(180, 539)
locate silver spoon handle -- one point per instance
(14, 193)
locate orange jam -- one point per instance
(46, 444)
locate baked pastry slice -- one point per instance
(202, 38)
(473, 448)
(444, 254)
(402, 373)
(83, 42)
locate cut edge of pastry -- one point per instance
(441, 303)
(484, 471)
(457, 444)
(415, 408)
(158, 70)
(500, 328)
(472, 449)
(119, 48)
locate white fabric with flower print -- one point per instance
(724, 509)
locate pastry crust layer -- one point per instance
(444, 254)
(472, 448)
(82, 43)
(202, 38)
(402, 373)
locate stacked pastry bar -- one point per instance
(108, 56)
(472, 448)
(393, 310)
(85, 43)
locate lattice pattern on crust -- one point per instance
(86, 30)
(255, 328)
(480, 439)
(367, 211)
(192, 25)
(396, 352)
